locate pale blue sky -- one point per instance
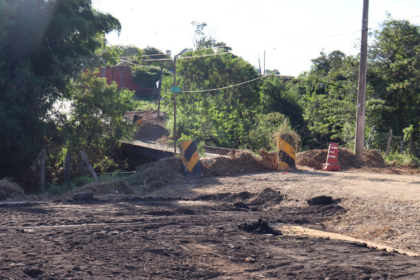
(291, 32)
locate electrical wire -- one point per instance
(204, 55)
(158, 59)
(138, 64)
(155, 54)
(214, 89)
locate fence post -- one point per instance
(388, 145)
(401, 147)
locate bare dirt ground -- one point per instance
(193, 232)
(382, 208)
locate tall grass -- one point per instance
(404, 159)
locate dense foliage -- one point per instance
(43, 46)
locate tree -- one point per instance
(148, 76)
(329, 100)
(394, 61)
(43, 43)
(154, 53)
(96, 118)
(216, 117)
(202, 40)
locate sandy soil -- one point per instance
(176, 239)
(381, 208)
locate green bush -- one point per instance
(404, 159)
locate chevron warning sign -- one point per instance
(287, 151)
(190, 158)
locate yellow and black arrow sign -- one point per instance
(287, 151)
(190, 158)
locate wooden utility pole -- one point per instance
(264, 62)
(361, 97)
(43, 171)
(175, 57)
(67, 168)
(388, 144)
(160, 87)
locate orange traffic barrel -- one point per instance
(332, 158)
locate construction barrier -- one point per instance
(332, 159)
(190, 159)
(137, 120)
(287, 151)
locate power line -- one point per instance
(157, 54)
(204, 55)
(139, 64)
(158, 59)
(214, 89)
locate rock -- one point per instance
(3, 196)
(321, 200)
(32, 271)
(83, 196)
(249, 260)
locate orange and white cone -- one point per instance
(332, 159)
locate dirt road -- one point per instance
(115, 237)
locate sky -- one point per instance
(290, 32)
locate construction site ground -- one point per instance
(190, 230)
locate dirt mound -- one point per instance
(158, 173)
(9, 189)
(242, 162)
(374, 158)
(346, 159)
(260, 227)
(267, 197)
(107, 187)
(323, 200)
(152, 127)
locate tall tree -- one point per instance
(43, 43)
(394, 58)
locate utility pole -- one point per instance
(175, 57)
(361, 96)
(264, 62)
(160, 87)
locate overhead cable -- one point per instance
(204, 55)
(138, 64)
(214, 89)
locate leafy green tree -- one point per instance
(394, 72)
(216, 117)
(154, 53)
(96, 117)
(148, 76)
(42, 44)
(203, 40)
(278, 96)
(329, 100)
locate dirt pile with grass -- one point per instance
(170, 170)
(346, 159)
(241, 162)
(9, 189)
(158, 173)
